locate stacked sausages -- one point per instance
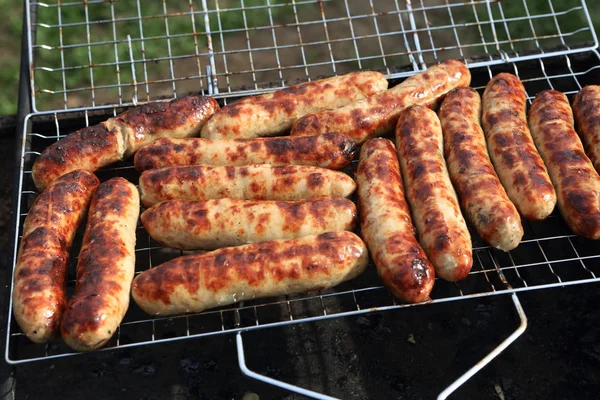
(273, 211)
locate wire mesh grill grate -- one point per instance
(95, 52)
(550, 255)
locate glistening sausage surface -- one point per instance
(515, 158)
(377, 115)
(253, 182)
(273, 113)
(212, 224)
(331, 150)
(225, 276)
(482, 197)
(105, 267)
(440, 225)
(577, 182)
(119, 137)
(586, 107)
(386, 225)
(39, 295)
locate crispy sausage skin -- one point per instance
(252, 182)
(481, 195)
(577, 182)
(386, 225)
(273, 113)
(442, 230)
(280, 267)
(331, 150)
(211, 224)
(39, 295)
(105, 267)
(513, 154)
(586, 107)
(377, 115)
(119, 137)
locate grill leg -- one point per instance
(242, 363)
(493, 354)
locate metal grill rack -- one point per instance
(234, 48)
(94, 52)
(549, 256)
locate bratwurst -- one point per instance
(119, 137)
(515, 158)
(105, 267)
(386, 225)
(482, 197)
(331, 150)
(39, 295)
(440, 225)
(577, 182)
(279, 267)
(377, 115)
(273, 113)
(252, 182)
(211, 224)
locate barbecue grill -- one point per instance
(231, 49)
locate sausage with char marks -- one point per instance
(515, 158)
(119, 137)
(577, 182)
(253, 182)
(280, 267)
(331, 150)
(273, 113)
(377, 115)
(481, 194)
(386, 225)
(105, 267)
(440, 225)
(39, 294)
(212, 224)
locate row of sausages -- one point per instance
(437, 153)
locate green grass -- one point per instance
(10, 35)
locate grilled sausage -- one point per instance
(386, 225)
(513, 154)
(105, 267)
(39, 295)
(273, 113)
(280, 267)
(377, 115)
(440, 225)
(577, 182)
(211, 224)
(586, 107)
(481, 195)
(331, 150)
(119, 137)
(253, 182)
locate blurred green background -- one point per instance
(10, 36)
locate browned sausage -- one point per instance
(377, 115)
(119, 137)
(105, 267)
(577, 182)
(440, 225)
(332, 150)
(225, 276)
(515, 158)
(586, 107)
(251, 182)
(273, 113)
(481, 195)
(211, 224)
(39, 294)
(386, 225)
